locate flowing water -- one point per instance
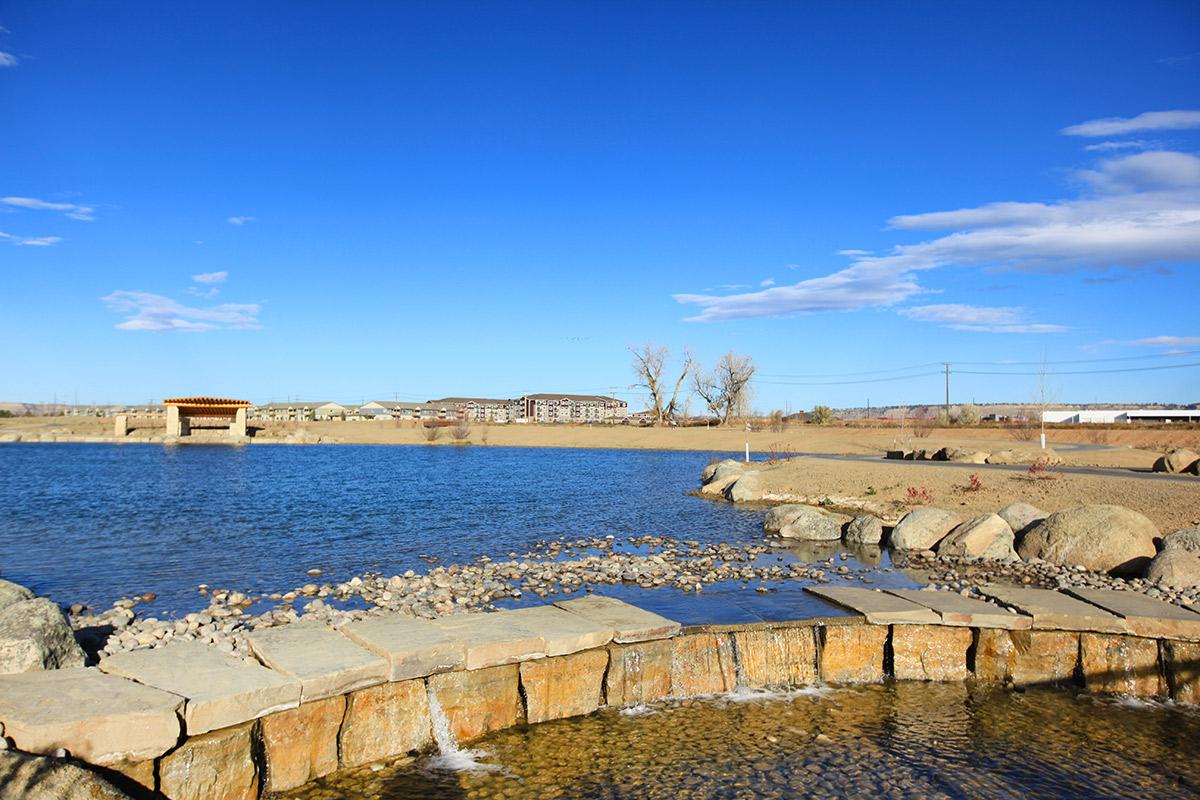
(901, 740)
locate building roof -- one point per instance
(298, 404)
(391, 405)
(585, 397)
(482, 401)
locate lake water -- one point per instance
(91, 523)
(901, 740)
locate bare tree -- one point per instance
(649, 364)
(725, 389)
(461, 430)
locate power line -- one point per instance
(1081, 360)
(853, 374)
(1087, 371)
(849, 383)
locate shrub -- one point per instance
(1042, 470)
(973, 484)
(916, 496)
(461, 430)
(821, 415)
(431, 432)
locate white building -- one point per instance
(1104, 416)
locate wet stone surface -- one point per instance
(894, 741)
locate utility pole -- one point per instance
(947, 366)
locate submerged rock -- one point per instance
(805, 523)
(864, 529)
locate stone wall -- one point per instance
(602, 653)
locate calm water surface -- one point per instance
(93, 522)
(904, 740)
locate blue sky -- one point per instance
(362, 200)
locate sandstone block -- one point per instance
(954, 609)
(1182, 663)
(479, 701)
(562, 631)
(1121, 665)
(563, 686)
(321, 659)
(301, 744)
(384, 721)
(221, 690)
(930, 653)
(1144, 616)
(853, 653)
(880, 608)
(99, 718)
(1053, 610)
(213, 765)
(638, 673)
(414, 648)
(492, 639)
(1026, 658)
(779, 657)
(140, 772)
(702, 663)
(629, 623)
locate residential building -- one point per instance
(387, 409)
(570, 408)
(300, 412)
(476, 409)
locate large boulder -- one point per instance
(34, 636)
(28, 777)
(1178, 461)
(1021, 517)
(864, 529)
(1178, 563)
(746, 488)
(987, 536)
(1024, 455)
(795, 521)
(1102, 538)
(964, 455)
(720, 476)
(922, 529)
(13, 593)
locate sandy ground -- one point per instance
(883, 487)
(1129, 448)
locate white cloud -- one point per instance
(1122, 144)
(995, 319)
(1149, 121)
(207, 294)
(72, 210)
(8, 59)
(1177, 60)
(1145, 212)
(1162, 341)
(767, 282)
(211, 277)
(145, 311)
(240, 220)
(30, 241)
(854, 252)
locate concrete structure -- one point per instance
(1096, 416)
(187, 721)
(181, 411)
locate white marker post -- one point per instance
(747, 442)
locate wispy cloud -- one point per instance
(1175, 61)
(211, 277)
(854, 253)
(1160, 341)
(1149, 121)
(85, 213)
(1122, 144)
(30, 241)
(8, 59)
(145, 311)
(995, 319)
(767, 282)
(240, 220)
(1139, 211)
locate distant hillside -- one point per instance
(987, 409)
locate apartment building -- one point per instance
(550, 408)
(300, 412)
(476, 409)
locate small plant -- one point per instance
(973, 484)
(461, 430)
(826, 501)
(1042, 470)
(870, 491)
(918, 495)
(922, 428)
(776, 421)
(779, 451)
(431, 432)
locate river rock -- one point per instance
(1101, 538)
(1178, 461)
(723, 474)
(34, 635)
(922, 529)
(864, 529)
(1178, 564)
(747, 488)
(28, 777)
(986, 536)
(806, 523)
(13, 593)
(1021, 517)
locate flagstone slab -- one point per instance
(879, 608)
(1056, 611)
(1144, 615)
(325, 662)
(99, 718)
(562, 631)
(220, 690)
(628, 622)
(493, 639)
(954, 609)
(413, 647)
